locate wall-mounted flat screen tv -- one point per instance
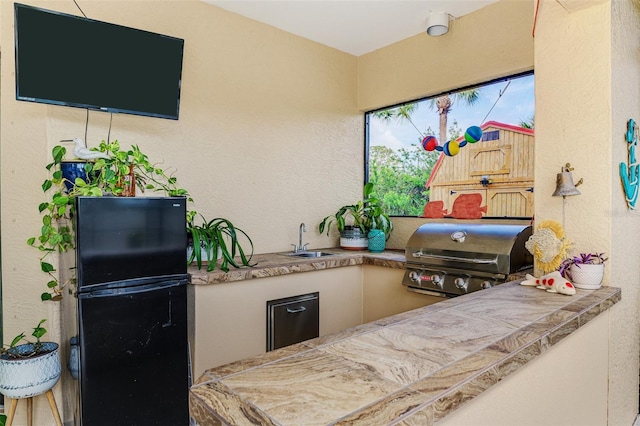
(73, 61)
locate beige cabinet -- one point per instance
(576, 366)
(384, 295)
(229, 320)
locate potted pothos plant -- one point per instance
(355, 222)
(217, 239)
(585, 270)
(29, 368)
(113, 174)
(104, 176)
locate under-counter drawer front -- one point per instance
(292, 320)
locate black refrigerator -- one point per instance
(132, 339)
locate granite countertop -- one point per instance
(275, 264)
(408, 369)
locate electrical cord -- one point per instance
(79, 8)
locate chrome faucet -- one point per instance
(300, 247)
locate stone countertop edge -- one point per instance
(276, 264)
(442, 391)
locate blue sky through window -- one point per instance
(516, 105)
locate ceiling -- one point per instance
(352, 26)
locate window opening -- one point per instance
(431, 150)
(491, 136)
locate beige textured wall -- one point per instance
(269, 135)
(625, 224)
(584, 97)
(573, 122)
(492, 42)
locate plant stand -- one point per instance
(52, 404)
(25, 378)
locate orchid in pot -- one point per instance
(585, 270)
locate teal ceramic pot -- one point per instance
(377, 240)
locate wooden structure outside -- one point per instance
(499, 168)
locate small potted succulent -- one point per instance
(585, 270)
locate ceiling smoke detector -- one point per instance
(438, 24)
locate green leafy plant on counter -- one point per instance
(365, 214)
(217, 238)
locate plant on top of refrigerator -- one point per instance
(104, 176)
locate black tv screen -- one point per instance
(73, 61)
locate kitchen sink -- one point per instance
(309, 254)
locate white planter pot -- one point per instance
(588, 277)
(26, 377)
(354, 243)
(353, 239)
(203, 254)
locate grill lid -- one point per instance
(475, 246)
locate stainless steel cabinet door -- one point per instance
(292, 320)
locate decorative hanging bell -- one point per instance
(564, 183)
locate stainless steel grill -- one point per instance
(453, 257)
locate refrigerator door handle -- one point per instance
(169, 321)
(107, 292)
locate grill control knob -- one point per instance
(459, 236)
(414, 276)
(461, 283)
(437, 280)
(486, 284)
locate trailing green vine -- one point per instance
(105, 176)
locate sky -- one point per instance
(517, 104)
